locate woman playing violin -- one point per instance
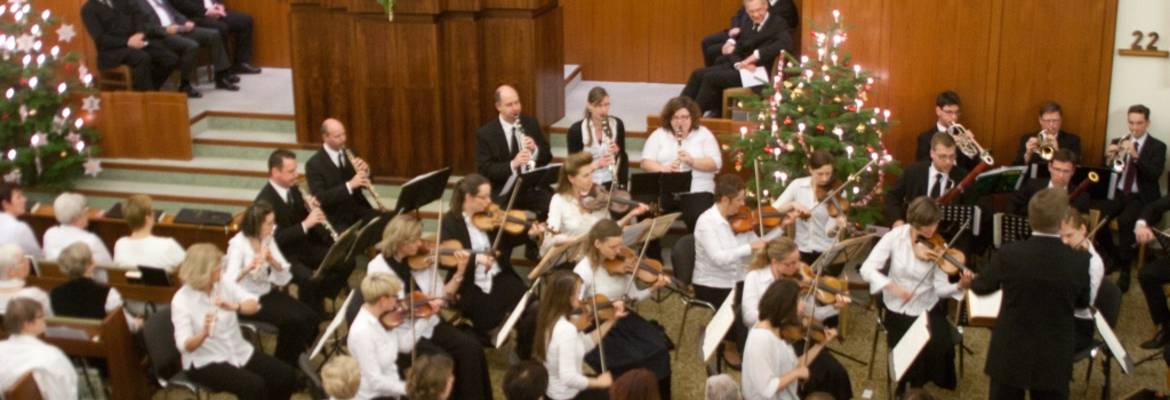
(561, 342)
(401, 239)
(771, 367)
(634, 342)
(913, 286)
(373, 340)
(802, 196)
(578, 203)
(780, 260)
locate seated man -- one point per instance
(73, 215)
(712, 45)
(1154, 275)
(213, 14)
(24, 320)
(946, 108)
(338, 178)
(1051, 118)
(758, 45)
(119, 40)
(164, 23)
(1060, 172)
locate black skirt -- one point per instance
(826, 374)
(633, 343)
(936, 362)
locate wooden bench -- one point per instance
(25, 388)
(108, 339)
(123, 279)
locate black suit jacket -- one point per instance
(782, 8)
(151, 24)
(1021, 197)
(1151, 160)
(327, 182)
(912, 184)
(453, 227)
(923, 153)
(577, 143)
(493, 158)
(1043, 281)
(769, 41)
(111, 28)
(307, 247)
(1064, 141)
(192, 8)
(1153, 212)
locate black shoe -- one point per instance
(225, 84)
(232, 78)
(1123, 281)
(532, 253)
(1158, 341)
(245, 68)
(191, 92)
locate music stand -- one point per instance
(1009, 228)
(370, 234)
(959, 214)
(557, 254)
(153, 276)
(422, 190)
(545, 177)
(640, 232)
(663, 188)
(1000, 180)
(338, 253)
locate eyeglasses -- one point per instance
(682, 117)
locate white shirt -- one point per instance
(376, 351)
(56, 379)
(424, 328)
(932, 175)
(756, 282)
(598, 148)
(767, 358)
(258, 282)
(226, 344)
(720, 255)
(480, 242)
(13, 230)
(150, 251)
(811, 233)
(663, 148)
(613, 287)
(280, 190)
(566, 216)
(1096, 274)
(907, 271)
(164, 17)
(208, 4)
(15, 288)
(59, 237)
(566, 351)
(519, 136)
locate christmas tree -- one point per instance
(818, 104)
(45, 138)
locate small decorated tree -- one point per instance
(44, 137)
(818, 104)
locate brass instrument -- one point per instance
(370, 187)
(1120, 159)
(311, 204)
(969, 146)
(1047, 146)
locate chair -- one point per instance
(316, 389)
(682, 258)
(25, 388)
(252, 329)
(117, 78)
(159, 334)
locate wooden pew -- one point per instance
(25, 388)
(41, 218)
(123, 279)
(109, 339)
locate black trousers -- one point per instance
(297, 323)
(998, 391)
(263, 377)
(692, 206)
(471, 371)
(826, 374)
(936, 362)
(150, 65)
(712, 47)
(634, 343)
(235, 25)
(488, 310)
(706, 85)
(1127, 209)
(1151, 278)
(187, 45)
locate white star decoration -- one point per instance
(93, 167)
(13, 176)
(24, 42)
(91, 104)
(65, 33)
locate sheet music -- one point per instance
(907, 349)
(512, 179)
(510, 323)
(336, 322)
(718, 326)
(1112, 343)
(985, 307)
(425, 176)
(756, 77)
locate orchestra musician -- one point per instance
(1074, 232)
(373, 339)
(603, 136)
(947, 108)
(681, 144)
(633, 342)
(911, 287)
(931, 179)
(561, 343)
(802, 195)
(781, 260)
(1142, 157)
(402, 239)
(1060, 172)
(772, 366)
(1032, 144)
(1043, 282)
(579, 202)
(1154, 275)
(337, 178)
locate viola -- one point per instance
(836, 206)
(514, 222)
(446, 253)
(935, 249)
(747, 219)
(648, 272)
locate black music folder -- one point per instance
(422, 190)
(203, 217)
(542, 177)
(115, 212)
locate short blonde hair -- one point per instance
(75, 259)
(378, 285)
(11, 255)
(202, 259)
(137, 209)
(401, 229)
(68, 206)
(341, 377)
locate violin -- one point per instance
(446, 252)
(422, 310)
(836, 206)
(514, 222)
(796, 332)
(935, 249)
(618, 201)
(582, 316)
(827, 288)
(747, 219)
(648, 272)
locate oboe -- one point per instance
(370, 187)
(311, 203)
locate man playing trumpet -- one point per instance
(1137, 186)
(1037, 148)
(947, 107)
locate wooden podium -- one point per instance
(413, 91)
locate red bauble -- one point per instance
(820, 127)
(787, 120)
(70, 68)
(851, 108)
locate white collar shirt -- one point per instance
(150, 251)
(375, 349)
(16, 288)
(812, 233)
(16, 231)
(164, 17)
(480, 242)
(259, 281)
(226, 344)
(54, 374)
(720, 255)
(662, 147)
(566, 351)
(926, 282)
(600, 281)
(934, 174)
(59, 237)
(424, 328)
(568, 220)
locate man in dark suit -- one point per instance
(1051, 119)
(164, 23)
(712, 45)
(932, 179)
(510, 145)
(335, 182)
(947, 108)
(758, 45)
(213, 14)
(117, 32)
(1154, 275)
(1060, 172)
(1043, 282)
(1136, 187)
(299, 233)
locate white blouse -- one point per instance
(811, 234)
(720, 254)
(16, 288)
(613, 287)
(481, 242)
(1096, 274)
(150, 251)
(767, 358)
(424, 328)
(566, 351)
(566, 217)
(59, 237)
(54, 374)
(16, 231)
(189, 307)
(260, 280)
(376, 351)
(756, 282)
(662, 147)
(907, 271)
(597, 148)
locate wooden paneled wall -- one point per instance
(144, 125)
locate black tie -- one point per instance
(755, 27)
(341, 159)
(936, 189)
(515, 146)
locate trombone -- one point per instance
(1120, 159)
(968, 145)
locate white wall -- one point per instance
(1141, 80)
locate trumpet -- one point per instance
(968, 145)
(311, 203)
(369, 187)
(1047, 146)
(1120, 159)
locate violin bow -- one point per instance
(597, 321)
(818, 269)
(1101, 223)
(641, 255)
(613, 167)
(504, 221)
(435, 265)
(837, 190)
